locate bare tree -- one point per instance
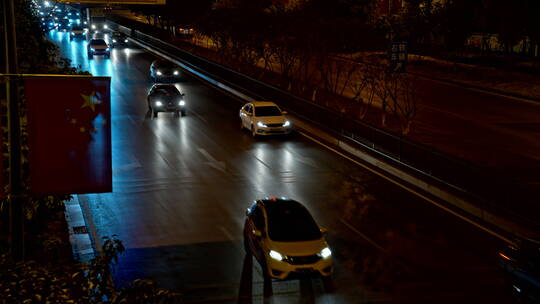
(403, 98)
(287, 57)
(381, 89)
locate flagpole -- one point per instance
(16, 219)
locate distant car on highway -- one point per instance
(285, 239)
(186, 31)
(521, 266)
(98, 47)
(119, 38)
(166, 98)
(99, 27)
(77, 31)
(163, 70)
(48, 24)
(64, 25)
(264, 118)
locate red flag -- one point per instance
(69, 134)
(2, 185)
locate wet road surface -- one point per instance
(181, 186)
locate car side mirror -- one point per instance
(323, 230)
(284, 112)
(256, 233)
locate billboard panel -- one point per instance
(69, 134)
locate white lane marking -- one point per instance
(482, 227)
(212, 162)
(365, 237)
(226, 232)
(198, 115)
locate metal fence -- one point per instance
(490, 190)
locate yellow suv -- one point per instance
(285, 239)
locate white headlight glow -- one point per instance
(159, 73)
(158, 103)
(286, 123)
(261, 124)
(275, 255)
(181, 103)
(175, 73)
(326, 252)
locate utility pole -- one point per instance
(16, 217)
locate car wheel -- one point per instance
(154, 114)
(328, 283)
(177, 113)
(253, 133)
(183, 112)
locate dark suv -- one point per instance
(119, 38)
(165, 98)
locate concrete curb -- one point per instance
(81, 243)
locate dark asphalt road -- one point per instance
(181, 186)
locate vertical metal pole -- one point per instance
(16, 220)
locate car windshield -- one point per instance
(267, 111)
(98, 42)
(167, 90)
(165, 65)
(291, 222)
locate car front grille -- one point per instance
(275, 125)
(302, 260)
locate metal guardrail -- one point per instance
(503, 195)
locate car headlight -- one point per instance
(126, 41)
(92, 49)
(107, 49)
(105, 26)
(93, 26)
(286, 123)
(260, 124)
(159, 73)
(175, 73)
(181, 103)
(114, 40)
(326, 252)
(159, 103)
(275, 255)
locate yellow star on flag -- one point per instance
(90, 101)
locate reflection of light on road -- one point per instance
(161, 130)
(100, 66)
(261, 172)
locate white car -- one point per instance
(264, 118)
